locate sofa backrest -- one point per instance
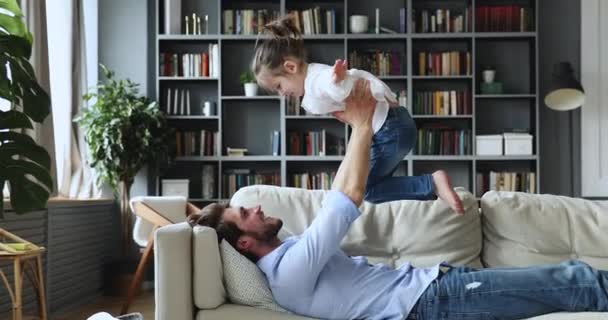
(523, 229)
(420, 232)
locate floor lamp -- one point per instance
(565, 94)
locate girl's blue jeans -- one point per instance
(389, 147)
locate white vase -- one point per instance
(251, 89)
(488, 76)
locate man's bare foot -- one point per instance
(444, 190)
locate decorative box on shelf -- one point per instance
(175, 187)
(491, 88)
(518, 143)
(489, 145)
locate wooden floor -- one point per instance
(143, 303)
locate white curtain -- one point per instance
(35, 19)
(68, 79)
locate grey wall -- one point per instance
(124, 47)
(559, 40)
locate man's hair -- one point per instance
(212, 216)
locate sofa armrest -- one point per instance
(173, 266)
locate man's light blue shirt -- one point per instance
(310, 275)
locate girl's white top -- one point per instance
(323, 96)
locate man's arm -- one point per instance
(309, 255)
(351, 177)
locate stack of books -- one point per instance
(313, 181)
(512, 18)
(505, 181)
(450, 63)
(198, 65)
(380, 63)
(442, 102)
(234, 179)
(247, 21)
(440, 140)
(196, 143)
(315, 20)
(441, 20)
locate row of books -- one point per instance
(315, 20)
(441, 20)
(205, 64)
(450, 63)
(312, 181)
(234, 179)
(444, 141)
(511, 18)
(177, 102)
(442, 102)
(379, 63)
(196, 143)
(505, 181)
(247, 21)
(314, 143)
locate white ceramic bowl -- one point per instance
(358, 23)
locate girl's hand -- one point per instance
(339, 71)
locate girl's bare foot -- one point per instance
(444, 190)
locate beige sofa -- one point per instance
(510, 229)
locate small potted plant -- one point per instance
(248, 81)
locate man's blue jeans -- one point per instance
(514, 293)
(389, 146)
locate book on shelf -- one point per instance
(442, 102)
(443, 140)
(402, 19)
(173, 16)
(275, 143)
(209, 181)
(247, 21)
(504, 18)
(236, 152)
(313, 181)
(177, 102)
(196, 143)
(314, 20)
(192, 65)
(234, 179)
(505, 181)
(378, 62)
(441, 20)
(314, 143)
(452, 63)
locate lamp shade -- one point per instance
(566, 93)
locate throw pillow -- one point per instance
(245, 283)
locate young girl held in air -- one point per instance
(280, 65)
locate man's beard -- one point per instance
(270, 232)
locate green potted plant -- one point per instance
(248, 81)
(124, 132)
(23, 164)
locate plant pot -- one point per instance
(251, 89)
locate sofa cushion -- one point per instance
(208, 291)
(522, 229)
(421, 232)
(245, 282)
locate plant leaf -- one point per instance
(36, 102)
(15, 46)
(14, 119)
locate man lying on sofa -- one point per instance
(310, 275)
